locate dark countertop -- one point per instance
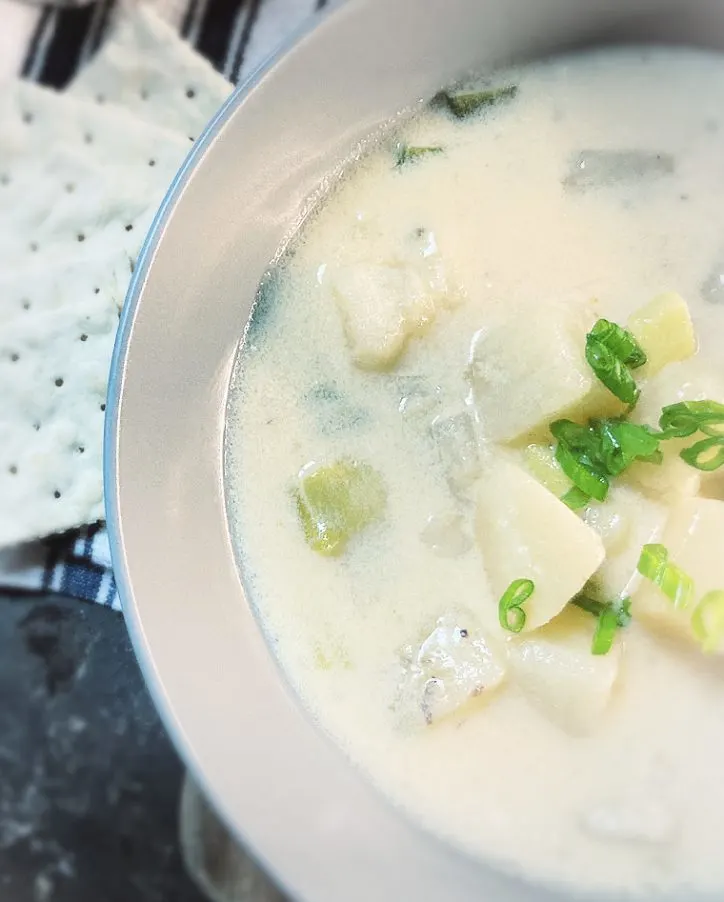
(89, 783)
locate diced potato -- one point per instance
(626, 521)
(541, 463)
(337, 501)
(528, 371)
(558, 673)
(524, 532)
(383, 305)
(684, 381)
(664, 329)
(693, 538)
(454, 665)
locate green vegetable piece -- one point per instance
(407, 153)
(578, 454)
(707, 621)
(466, 103)
(583, 473)
(687, 417)
(510, 607)
(620, 342)
(592, 455)
(622, 443)
(611, 616)
(676, 585)
(337, 501)
(605, 633)
(706, 455)
(575, 499)
(611, 371)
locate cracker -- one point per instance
(65, 262)
(34, 119)
(147, 68)
(53, 377)
(100, 278)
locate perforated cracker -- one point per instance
(147, 68)
(66, 257)
(53, 374)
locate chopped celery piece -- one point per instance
(409, 153)
(466, 103)
(337, 501)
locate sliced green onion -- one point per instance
(676, 585)
(465, 103)
(706, 455)
(588, 604)
(707, 621)
(622, 443)
(575, 499)
(582, 473)
(611, 371)
(620, 342)
(510, 607)
(407, 153)
(611, 617)
(578, 438)
(687, 417)
(605, 633)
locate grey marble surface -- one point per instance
(89, 784)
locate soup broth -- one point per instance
(395, 486)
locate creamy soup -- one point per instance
(472, 467)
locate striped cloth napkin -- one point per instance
(48, 44)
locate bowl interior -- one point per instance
(280, 784)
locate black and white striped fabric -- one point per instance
(48, 44)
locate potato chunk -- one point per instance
(525, 532)
(664, 329)
(626, 521)
(528, 371)
(693, 538)
(383, 305)
(558, 674)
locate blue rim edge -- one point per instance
(111, 431)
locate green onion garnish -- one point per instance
(510, 607)
(622, 443)
(707, 621)
(465, 103)
(620, 342)
(611, 616)
(707, 455)
(687, 417)
(611, 371)
(605, 633)
(676, 585)
(591, 455)
(582, 473)
(407, 153)
(575, 499)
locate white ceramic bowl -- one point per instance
(278, 781)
